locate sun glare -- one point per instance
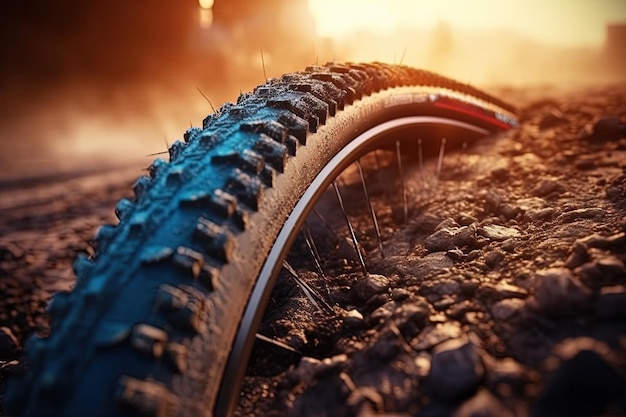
(557, 22)
(205, 4)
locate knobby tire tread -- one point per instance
(147, 328)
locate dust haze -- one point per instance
(94, 85)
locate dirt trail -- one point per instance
(512, 298)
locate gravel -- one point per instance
(503, 294)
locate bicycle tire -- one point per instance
(151, 322)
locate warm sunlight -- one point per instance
(205, 4)
(557, 22)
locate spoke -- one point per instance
(442, 149)
(372, 213)
(308, 238)
(316, 299)
(352, 235)
(405, 204)
(326, 224)
(277, 343)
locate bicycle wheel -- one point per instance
(163, 317)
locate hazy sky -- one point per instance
(557, 22)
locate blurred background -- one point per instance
(97, 84)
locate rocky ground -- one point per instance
(504, 292)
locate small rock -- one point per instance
(456, 254)
(578, 256)
(506, 308)
(507, 378)
(310, 368)
(498, 233)
(353, 319)
(9, 344)
(552, 119)
(547, 187)
(400, 294)
(611, 302)
(440, 240)
(435, 335)
(500, 174)
(371, 285)
(450, 237)
(442, 287)
(385, 349)
(508, 211)
(493, 200)
(465, 219)
(602, 270)
(544, 214)
(608, 129)
(422, 362)
(456, 370)
(583, 382)
(597, 240)
(559, 293)
(382, 313)
(493, 258)
(411, 317)
(616, 192)
(509, 245)
(483, 404)
(364, 400)
(474, 254)
(448, 223)
(296, 338)
(584, 213)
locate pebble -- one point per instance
(552, 119)
(440, 240)
(456, 369)
(602, 270)
(371, 285)
(498, 233)
(577, 257)
(509, 211)
(400, 294)
(583, 381)
(352, 319)
(506, 377)
(411, 317)
(450, 237)
(382, 313)
(437, 334)
(547, 187)
(364, 400)
(310, 368)
(608, 128)
(456, 254)
(583, 213)
(493, 258)
(559, 293)
(448, 223)
(597, 240)
(544, 214)
(483, 404)
(505, 309)
(611, 302)
(9, 345)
